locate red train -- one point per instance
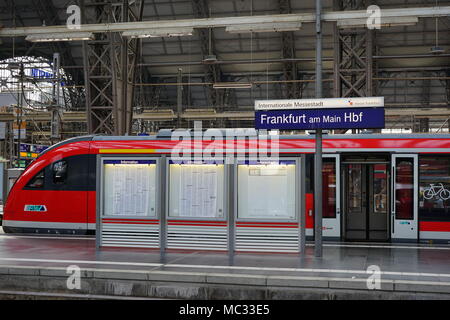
(375, 187)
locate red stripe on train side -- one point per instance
(439, 226)
(347, 143)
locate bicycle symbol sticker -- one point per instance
(436, 191)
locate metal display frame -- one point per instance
(230, 199)
(100, 192)
(299, 206)
(297, 196)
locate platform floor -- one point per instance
(408, 267)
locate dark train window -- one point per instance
(60, 169)
(37, 181)
(404, 189)
(73, 173)
(434, 188)
(329, 188)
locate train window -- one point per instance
(434, 188)
(60, 172)
(329, 188)
(404, 188)
(37, 181)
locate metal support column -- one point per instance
(55, 108)
(353, 56)
(302, 204)
(179, 97)
(109, 65)
(163, 204)
(318, 155)
(292, 90)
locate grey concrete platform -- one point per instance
(36, 263)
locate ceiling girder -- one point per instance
(217, 22)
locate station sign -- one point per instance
(328, 113)
(33, 148)
(351, 118)
(326, 103)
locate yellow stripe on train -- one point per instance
(127, 150)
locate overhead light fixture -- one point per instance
(384, 22)
(159, 33)
(264, 27)
(68, 36)
(232, 85)
(437, 50)
(13, 66)
(210, 59)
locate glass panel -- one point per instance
(329, 188)
(60, 172)
(266, 191)
(354, 188)
(380, 200)
(130, 188)
(434, 183)
(37, 181)
(196, 191)
(404, 188)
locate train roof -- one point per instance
(293, 136)
(166, 135)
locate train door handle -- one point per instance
(310, 213)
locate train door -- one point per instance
(331, 196)
(404, 193)
(366, 201)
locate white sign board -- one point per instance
(326, 103)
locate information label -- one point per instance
(347, 118)
(325, 103)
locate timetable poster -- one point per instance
(198, 190)
(130, 187)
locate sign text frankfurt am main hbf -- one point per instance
(310, 114)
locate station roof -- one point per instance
(400, 52)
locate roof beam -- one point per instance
(292, 90)
(167, 114)
(421, 12)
